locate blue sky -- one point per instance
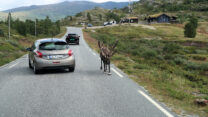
(8, 4)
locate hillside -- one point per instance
(3, 15)
(177, 7)
(98, 16)
(60, 10)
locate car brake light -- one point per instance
(70, 53)
(39, 54)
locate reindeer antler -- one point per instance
(116, 43)
(99, 44)
(113, 48)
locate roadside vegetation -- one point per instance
(23, 35)
(172, 67)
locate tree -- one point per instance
(1, 33)
(194, 21)
(100, 17)
(47, 25)
(190, 30)
(20, 27)
(111, 15)
(89, 17)
(78, 14)
(30, 26)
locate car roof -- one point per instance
(50, 40)
(72, 34)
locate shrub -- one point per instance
(203, 67)
(200, 58)
(192, 66)
(171, 48)
(180, 61)
(190, 31)
(197, 51)
(177, 94)
(1, 33)
(192, 77)
(190, 28)
(149, 54)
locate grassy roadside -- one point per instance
(174, 69)
(15, 47)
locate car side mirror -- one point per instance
(29, 49)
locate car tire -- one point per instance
(30, 66)
(71, 69)
(35, 70)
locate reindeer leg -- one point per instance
(101, 67)
(109, 73)
(104, 67)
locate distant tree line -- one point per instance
(43, 26)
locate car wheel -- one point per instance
(78, 43)
(35, 70)
(71, 69)
(30, 66)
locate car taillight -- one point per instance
(39, 54)
(70, 53)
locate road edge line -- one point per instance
(155, 104)
(117, 73)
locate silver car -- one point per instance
(51, 54)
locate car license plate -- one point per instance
(56, 62)
(72, 39)
(55, 56)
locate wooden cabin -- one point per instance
(130, 20)
(161, 18)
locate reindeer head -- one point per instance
(108, 51)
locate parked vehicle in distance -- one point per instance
(109, 23)
(106, 23)
(72, 38)
(51, 54)
(90, 25)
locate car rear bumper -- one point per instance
(55, 64)
(72, 41)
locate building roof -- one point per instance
(132, 18)
(159, 14)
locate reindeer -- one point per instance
(105, 55)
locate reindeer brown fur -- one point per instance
(105, 55)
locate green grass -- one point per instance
(171, 71)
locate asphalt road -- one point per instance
(88, 92)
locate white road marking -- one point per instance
(157, 105)
(117, 73)
(13, 65)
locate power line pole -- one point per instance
(35, 28)
(129, 11)
(9, 21)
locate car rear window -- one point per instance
(53, 46)
(72, 35)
